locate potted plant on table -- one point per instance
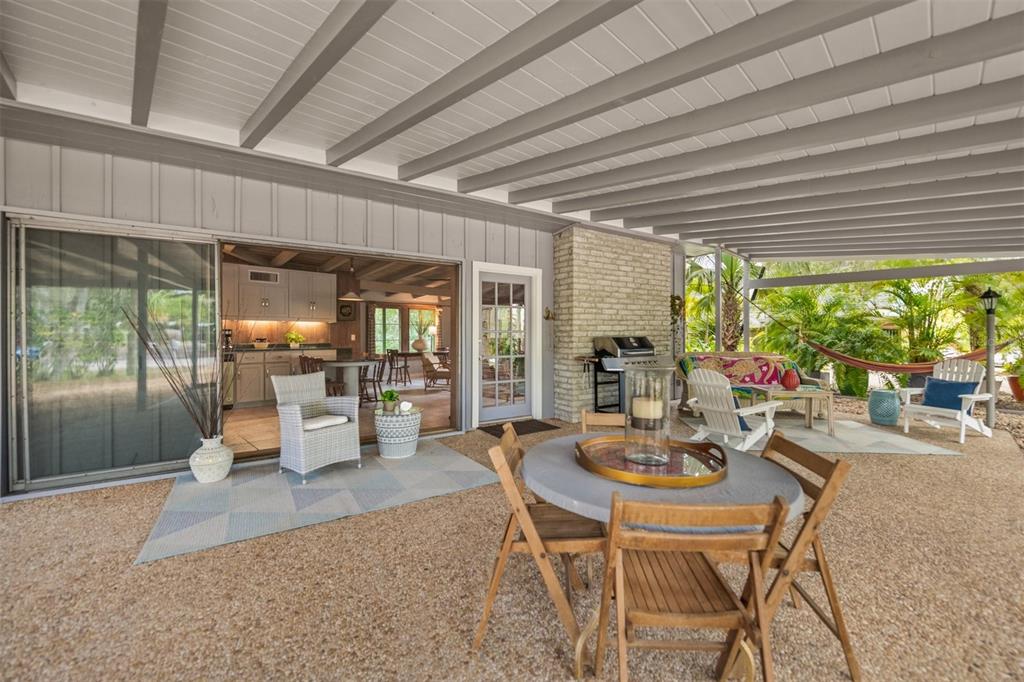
(389, 399)
(294, 339)
(201, 386)
(422, 328)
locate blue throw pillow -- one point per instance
(942, 393)
(744, 426)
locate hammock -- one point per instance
(893, 368)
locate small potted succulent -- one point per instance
(294, 339)
(389, 398)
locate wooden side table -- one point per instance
(777, 391)
(397, 432)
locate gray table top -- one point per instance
(347, 363)
(550, 470)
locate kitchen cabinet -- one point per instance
(273, 369)
(311, 296)
(263, 293)
(252, 383)
(229, 273)
(249, 383)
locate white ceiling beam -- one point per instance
(922, 251)
(8, 83)
(149, 32)
(1011, 159)
(986, 267)
(920, 244)
(1001, 187)
(785, 25)
(339, 32)
(1011, 226)
(847, 159)
(965, 46)
(552, 28)
(947, 107)
(953, 205)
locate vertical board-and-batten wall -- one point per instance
(77, 182)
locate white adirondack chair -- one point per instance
(712, 395)
(950, 370)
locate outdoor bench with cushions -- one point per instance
(741, 369)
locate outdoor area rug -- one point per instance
(257, 500)
(522, 428)
(851, 437)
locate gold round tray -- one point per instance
(690, 465)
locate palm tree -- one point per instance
(700, 289)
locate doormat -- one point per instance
(257, 500)
(522, 428)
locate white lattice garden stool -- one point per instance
(397, 432)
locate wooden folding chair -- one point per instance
(542, 530)
(664, 579)
(795, 559)
(597, 421)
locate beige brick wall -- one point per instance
(605, 285)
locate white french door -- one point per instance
(507, 358)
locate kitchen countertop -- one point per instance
(248, 348)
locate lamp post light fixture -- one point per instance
(989, 299)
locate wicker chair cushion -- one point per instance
(323, 421)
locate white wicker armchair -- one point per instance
(316, 430)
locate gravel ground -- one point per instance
(927, 551)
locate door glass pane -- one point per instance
(487, 293)
(519, 294)
(95, 399)
(504, 293)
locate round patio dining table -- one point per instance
(550, 470)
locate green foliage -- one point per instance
(390, 396)
(294, 337)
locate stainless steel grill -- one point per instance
(616, 353)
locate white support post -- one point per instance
(746, 305)
(718, 298)
(990, 368)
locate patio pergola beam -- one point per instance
(985, 267)
(1012, 197)
(8, 84)
(858, 157)
(785, 25)
(149, 32)
(968, 45)
(921, 251)
(339, 32)
(880, 199)
(983, 230)
(919, 112)
(546, 31)
(991, 162)
(937, 218)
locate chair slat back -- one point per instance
(649, 526)
(714, 400)
(958, 369)
(379, 368)
(595, 421)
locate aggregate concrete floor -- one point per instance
(928, 553)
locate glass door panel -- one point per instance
(504, 384)
(91, 402)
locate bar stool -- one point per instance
(398, 368)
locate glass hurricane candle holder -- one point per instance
(648, 390)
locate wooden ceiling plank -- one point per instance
(338, 33)
(374, 268)
(149, 34)
(1011, 159)
(981, 190)
(371, 285)
(785, 25)
(919, 112)
(334, 263)
(858, 157)
(283, 257)
(550, 29)
(8, 83)
(249, 257)
(969, 45)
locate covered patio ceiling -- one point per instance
(801, 129)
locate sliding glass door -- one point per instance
(90, 404)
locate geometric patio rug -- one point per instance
(257, 500)
(851, 437)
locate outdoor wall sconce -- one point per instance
(549, 314)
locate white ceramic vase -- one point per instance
(212, 461)
(419, 344)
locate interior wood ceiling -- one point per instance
(620, 110)
(401, 274)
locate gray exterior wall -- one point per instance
(191, 201)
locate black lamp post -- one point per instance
(989, 299)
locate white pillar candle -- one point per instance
(646, 408)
